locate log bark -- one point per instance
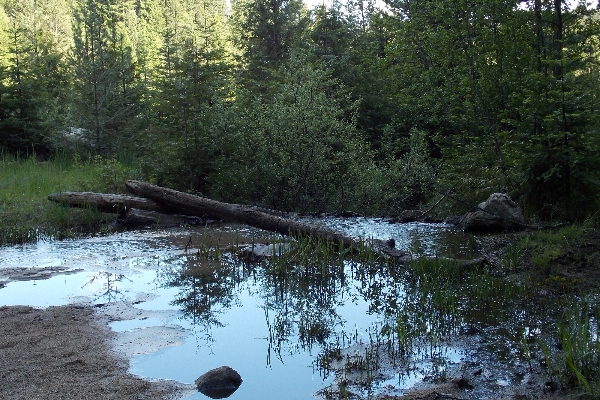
(203, 207)
(110, 203)
(136, 218)
(160, 201)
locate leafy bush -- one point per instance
(299, 151)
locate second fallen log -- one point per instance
(110, 203)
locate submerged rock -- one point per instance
(498, 213)
(219, 383)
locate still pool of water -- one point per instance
(271, 331)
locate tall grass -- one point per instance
(575, 356)
(25, 212)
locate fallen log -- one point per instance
(110, 203)
(136, 218)
(204, 207)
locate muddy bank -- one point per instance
(66, 353)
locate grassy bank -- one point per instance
(25, 212)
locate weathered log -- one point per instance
(253, 216)
(203, 207)
(111, 203)
(135, 218)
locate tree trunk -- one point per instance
(203, 207)
(111, 203)
(168, 201)
(136, 218)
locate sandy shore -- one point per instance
(68, 352)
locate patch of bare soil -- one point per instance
(65, 353)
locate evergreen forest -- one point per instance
(370, 106)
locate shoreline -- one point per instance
(68, 352)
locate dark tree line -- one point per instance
(358, 105)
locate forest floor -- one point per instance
(68, 352)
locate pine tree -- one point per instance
(264, 32)
(35, 79)
(106, 80)
(190, 91)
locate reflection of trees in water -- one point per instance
(428, 304)
(443, 243)
(302, 292)
(380, 286)
(110, 287)
(206, 287)
(420, 306)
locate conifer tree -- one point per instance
(190, 92)
(106, 80)
(35, 79)
(264, 32)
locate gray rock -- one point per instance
(219, 383)
(497, 214)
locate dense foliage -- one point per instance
(371, 107)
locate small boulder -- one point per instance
(219, 383)
(497, 214)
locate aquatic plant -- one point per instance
(576, 359)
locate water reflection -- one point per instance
(347, 320)
(110, 288)
(418, 320)
(218, 394)
(206, 287)
(300, 301)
